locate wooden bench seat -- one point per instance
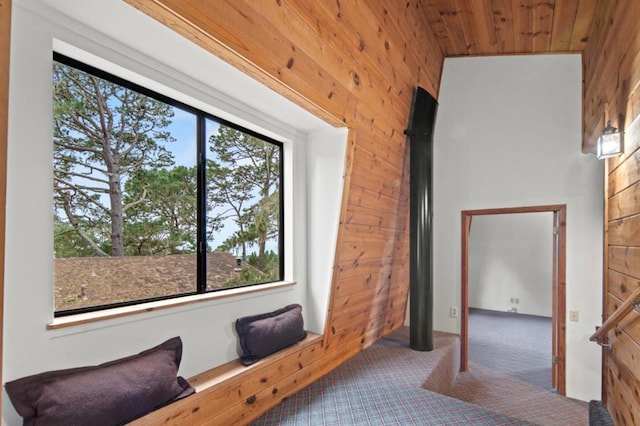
(224, 392)
(233, 369)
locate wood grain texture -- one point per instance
(503, 27)
(559, 300)
(611, 68)
(623, 310)
(354, 64)
(625, 232)
(5, 43)
(543, 14)
(623, 351)
(611, 63)
(625, 203)
(232, 391)
(625, 260)
(607, 282)
(620, 286)
(625, 175)
(629, 324)
(620, 401)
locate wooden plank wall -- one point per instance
(354, 64)
(611, 63)
(5, 38)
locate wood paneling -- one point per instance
(620, 286)
(625, 175)
(354, 64)
(625, 232)
(611, 71)
(624, 203)
(622, 406)
(5, 38)
(500, 27)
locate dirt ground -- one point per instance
(91, 281)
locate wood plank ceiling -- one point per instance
(502, 27)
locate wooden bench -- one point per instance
(232, 393)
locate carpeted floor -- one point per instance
(514, 344)
(380, 386)
(383, 385)
(505, 394)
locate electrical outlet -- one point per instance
(574, 316)
(453, 312)
(517, 300)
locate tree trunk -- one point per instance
(117, 220)
(261, 248)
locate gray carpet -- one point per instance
(380, 386)
(514, 344)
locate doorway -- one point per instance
(558, 302)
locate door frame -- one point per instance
(558, 304)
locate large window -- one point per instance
(153, 198)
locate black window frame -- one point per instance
(201, 142)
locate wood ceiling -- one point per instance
(499, 27)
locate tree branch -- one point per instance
(74, 222)
(81, 191)
(77, 148)
(138, 201)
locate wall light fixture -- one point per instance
(609, 143)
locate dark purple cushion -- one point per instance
(107, 394)
(263, 334)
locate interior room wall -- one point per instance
(152, 52)
(510, 263)
(325, 170)
(508, 134)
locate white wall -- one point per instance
(511, 257)
(324, 189)
(152, 55)
(508, 134)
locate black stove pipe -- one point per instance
(420, 139)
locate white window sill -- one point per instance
(71, 320)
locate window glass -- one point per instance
(243, 190)
(136, 215)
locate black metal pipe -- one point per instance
(420, 139)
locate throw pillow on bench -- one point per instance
(263, 334)
(108, 394)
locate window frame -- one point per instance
(201, 117)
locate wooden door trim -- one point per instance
(605, 280)
(559, 282)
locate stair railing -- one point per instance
(632, 302)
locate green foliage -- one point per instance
(67, 242)
(161, 211)
(250, 274)
(271, 261)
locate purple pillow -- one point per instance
(107, 394)
(263, 334)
